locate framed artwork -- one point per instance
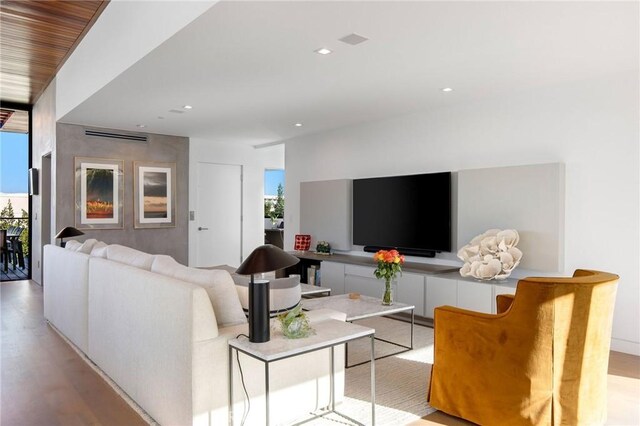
(99, 193)
(154, 195)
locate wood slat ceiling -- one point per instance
(17, 121)
(36, 37)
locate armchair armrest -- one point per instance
(503, 302)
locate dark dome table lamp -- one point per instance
(265, 258)
(68, 232)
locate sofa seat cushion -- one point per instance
(130, 256)
(284, 293)
(218, 284)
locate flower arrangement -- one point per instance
(491, 255)
(295, 324)
(389, 264)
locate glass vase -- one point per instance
(387, 295)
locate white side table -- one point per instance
(329, 334)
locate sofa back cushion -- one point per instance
(218, 284)
(130, 256)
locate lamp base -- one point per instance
(259, 327)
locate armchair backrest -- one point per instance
(571, 319)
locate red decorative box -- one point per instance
(302, 242)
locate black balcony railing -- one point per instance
(22, 222)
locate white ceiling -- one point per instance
(250, 71)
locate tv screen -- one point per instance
(405, 212)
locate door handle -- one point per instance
(200, 228)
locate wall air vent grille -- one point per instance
(111, 135)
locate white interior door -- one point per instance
(219, 215)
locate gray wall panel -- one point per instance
(72, 142)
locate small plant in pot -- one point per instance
(295, 324)
(323, 247)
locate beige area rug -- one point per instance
(401, 380)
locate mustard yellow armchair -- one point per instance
(542, 360)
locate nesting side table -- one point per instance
(329, 334)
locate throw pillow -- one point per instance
(72, 245)
(130, 256)
(87, 246)
(99, 250)
(218, 284)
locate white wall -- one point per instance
(124, 33)
(254, 162)
(44, 141)
(591, 126)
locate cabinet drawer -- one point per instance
(410, 290)
(360, 271)
(367, 286)
(475, 296)
(440, 291)
(332, 274)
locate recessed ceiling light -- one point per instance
(298, 124)
(323, 51)
(142, 126)
(187, 107)
(447, 89)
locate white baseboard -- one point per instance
(625, 346)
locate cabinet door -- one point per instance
(440, 291)
(411, 291)
(332, 274)
(360, 279)
(501, 289)
(475, 296)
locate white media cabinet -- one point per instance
(423, 285)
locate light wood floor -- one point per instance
(44, 382)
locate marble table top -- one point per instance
(307, 289)
(361, 308)
(328, 333)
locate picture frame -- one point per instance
(99, 193)
(154, 195)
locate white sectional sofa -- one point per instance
(159, 330)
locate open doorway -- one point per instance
(15, 201)
(274, 207)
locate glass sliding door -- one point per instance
(14, 194)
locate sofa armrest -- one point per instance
(503, 302)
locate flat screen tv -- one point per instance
(410, 213)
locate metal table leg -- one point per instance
(373, 381)
(266, 390)
(230, 386)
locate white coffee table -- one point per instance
(313, 290)
(362, 308)
(328, 334)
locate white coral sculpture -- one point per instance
(491, 255)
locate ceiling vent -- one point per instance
(176, 111)
(111, 135)
(353, 39)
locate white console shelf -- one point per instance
(424, 290)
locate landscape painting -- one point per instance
(154, 195)
(99, 185)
